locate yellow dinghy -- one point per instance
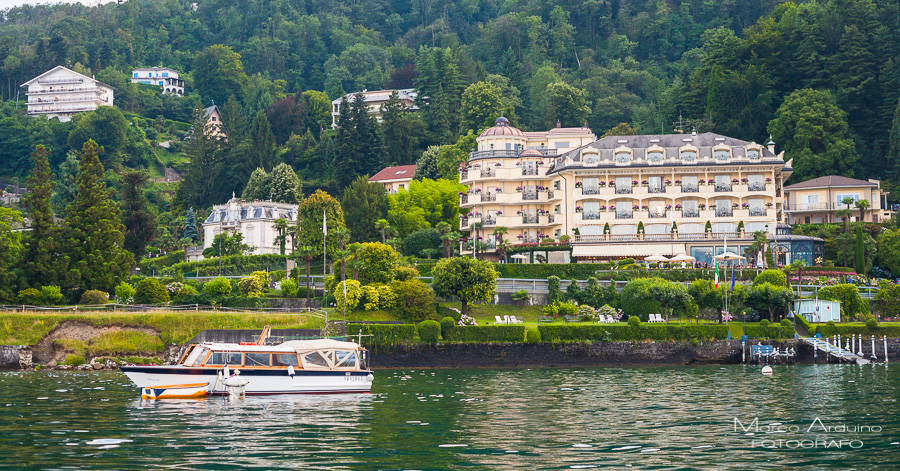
(176, 391)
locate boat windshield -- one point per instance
(196, 353)
(224, 358)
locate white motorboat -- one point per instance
(321, 366)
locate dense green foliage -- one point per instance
(414, 300)
(429, 331)
(467, 279)
(852, 304)
(486, 333)
(150, 291)
(383, 334)
(771, 331)
(773, 277)
(562, 332)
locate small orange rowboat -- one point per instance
(176, 391)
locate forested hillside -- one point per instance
(737, 67)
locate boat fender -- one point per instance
(226, 372)
(370, 377)
(291, 371)
(767, 370)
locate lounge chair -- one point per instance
(519, 319)
(499, 320)
(610, 320)
(507, 320)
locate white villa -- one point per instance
(255, 220)
(61, 92)
(162, 77)
(374, 100)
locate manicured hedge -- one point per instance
(550, 333)
(487, 333)
(582, 271)
(772, 331)
(805, 324)
(890, 329)
(383, 334)
(158, 263)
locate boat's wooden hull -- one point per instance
(176, 391)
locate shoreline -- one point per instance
(512, 355)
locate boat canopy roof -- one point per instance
(233, 347)
(318, 344)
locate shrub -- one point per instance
(447, 324)
(429, 331)
(773, 277)
(769, 331)
(405, 273)
(179, 290)
(378, 263)
(872, 324)
(29, 296)
(349, 301)
(255, 284)
(151, 291)
(626, 261)
(567, 309)
(125, 293)
(277, 275)
(94, 296)
(52, 295)
(555, 293)
(848, 294)
(520, 295)
(634, 321)
(415, 300)
(217, 287)
(487, 333)
(290, 288)
(764, 322)
(533, 336)
(787, 323)
(636, 299)
(420, 240)
(620, 332)
(386, 296)
(383, 334)
(369, 297)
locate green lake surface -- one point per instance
(580, 418)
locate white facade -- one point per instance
(374, 101)
(61, 92)
(162, 77)
(254, 220)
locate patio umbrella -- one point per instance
(682, 258)
(729, 256)
(656, 258)
(520, 256)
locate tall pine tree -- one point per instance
(43, 266)
(93, 234)
(201, 185)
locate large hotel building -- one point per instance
(627, 196)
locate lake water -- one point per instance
(638, 418)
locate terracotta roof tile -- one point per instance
(394, 173)
(830, 180)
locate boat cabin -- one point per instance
(322, 354)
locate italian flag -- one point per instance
(717, 276)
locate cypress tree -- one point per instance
(345, 160)
(190, 227)
(860, 251)
(43, 266)
(93, 233)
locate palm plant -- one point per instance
(429, 252)
(355, 263)
(383, 226)
(862, 205)
(798, 265)
(499, 232)
(342, 234)
(445, 230)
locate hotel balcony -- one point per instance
(514, 198)
(72, 79)
(594, 239)
(64, 90)
(723, 187)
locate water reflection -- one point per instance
(654, 418)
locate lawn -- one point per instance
(173, 327)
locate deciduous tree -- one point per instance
(467, 279)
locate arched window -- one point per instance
(623, 157)
(721, 155)
(655, 157)
(688, 156)
(753, 154)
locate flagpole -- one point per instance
(324, 255)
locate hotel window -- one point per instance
(623, 157)
(562, 145)
(590, 159)
(590, 186)
(753, 154)
(721, 155)
(688, 156)
(556, 185)
(556, 209)
(689, 184)
(655, 185)
(165, 74)
(757, 207)
(655, 157)
(756, 183)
